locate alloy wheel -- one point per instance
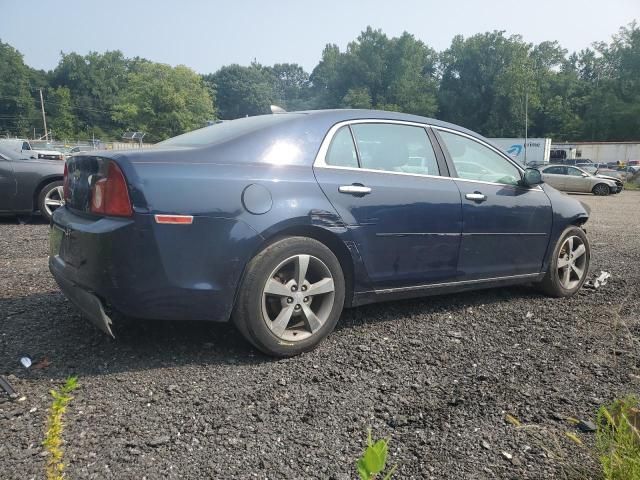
(53, 200)
(601, 189)
(298, 297)
(572, 262)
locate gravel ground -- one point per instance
(435, 375)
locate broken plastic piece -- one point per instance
(25, 361)
(599, 281)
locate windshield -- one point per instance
(227, 130)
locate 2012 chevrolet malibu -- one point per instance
(278, 222)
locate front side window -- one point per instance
(557, 170)
(342, 151)
(474, 161)
(575, 172)
(395, 148)
(26, 146)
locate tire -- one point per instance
(601, 189)
(290, 321)
(552, 284)
(50, 193)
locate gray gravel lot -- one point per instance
(436, 375)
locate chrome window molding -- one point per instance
(320, 160)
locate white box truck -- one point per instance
(536, 151)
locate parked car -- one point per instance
(619, 176)
(573, 179)
(29, 184)
(278, 222)
(25, 148)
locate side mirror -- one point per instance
(531, 177)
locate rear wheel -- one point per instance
(569, 264)
(51, 197)
(601, 189)
(291, 297)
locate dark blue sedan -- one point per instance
(278, 222)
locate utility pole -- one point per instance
(526, 125)
(44, 119)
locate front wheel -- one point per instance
(569, 264)
(601, 189)
(291, 297)
(51, 197)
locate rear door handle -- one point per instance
(354, 189)
(476, 197)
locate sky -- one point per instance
(206, 35)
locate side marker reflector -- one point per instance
(174, 219)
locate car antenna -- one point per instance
(277, 109)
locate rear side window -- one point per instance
(342, 151)
(395, 148)
(474, 161)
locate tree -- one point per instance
(94, 82)
(17, 108)
(380, 72)
(62, 121)
(242, 91)
(484, 82)
(163, 101)
(290, 86)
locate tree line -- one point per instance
(483, 82)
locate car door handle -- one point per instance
(354, 189)
(476, 197)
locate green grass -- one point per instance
(53, 436)
(373, 461)
(618, 439)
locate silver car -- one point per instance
(573, 179)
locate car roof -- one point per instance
(346, 114)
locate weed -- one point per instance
(618, 439)
(53, 437)
(374, 460)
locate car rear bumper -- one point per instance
(89, 304)
(145, 270)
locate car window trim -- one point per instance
(500, 153)
(320, 160)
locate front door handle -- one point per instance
(354, 189)
(476, 197)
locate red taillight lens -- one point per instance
(109, 195)
(65, 187)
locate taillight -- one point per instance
(65, 187)
(109, 195)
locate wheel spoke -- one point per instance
(302, 264)
(578, 271)
(279, 325)
(60, 191)
(570, 242)
(579, 251)
(51, 201)
(563, 262)
(274, 287)
(313, 322)
(566, 276)
(323, 286)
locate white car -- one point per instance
(573, 179)
(25, 148)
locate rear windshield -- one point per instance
(228, 130)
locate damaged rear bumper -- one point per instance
(88, 303)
